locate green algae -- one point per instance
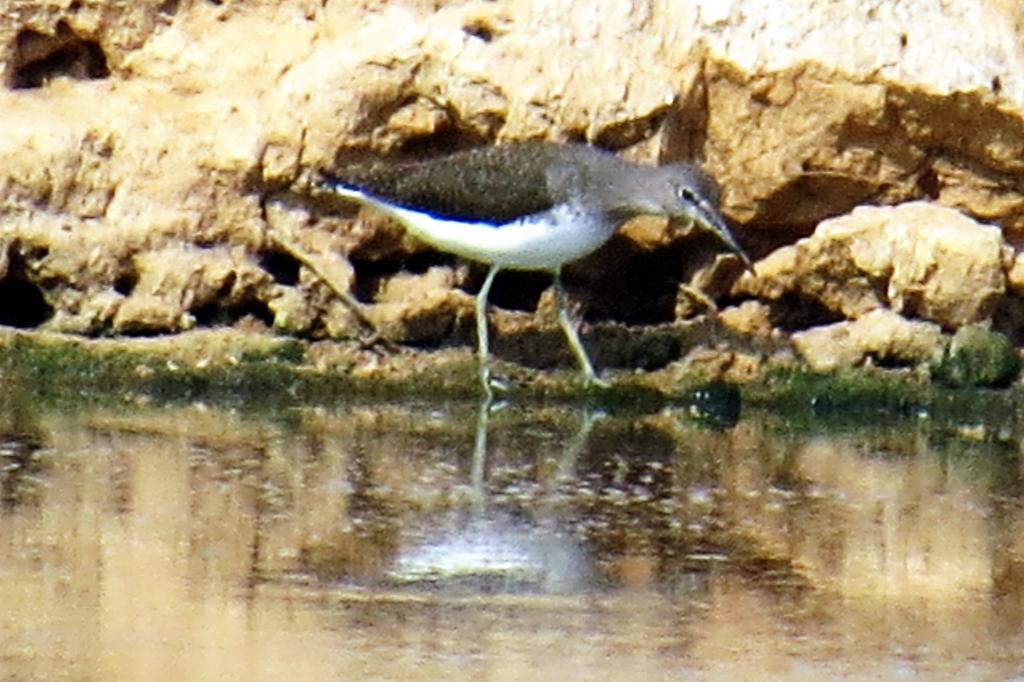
(978, 357)
(874, 399)
(217, 367)
(861, 395)
(261, 371)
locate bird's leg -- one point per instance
(701, 298)
(355, 308)
(571, 336)
(710, 308)
(481, 332)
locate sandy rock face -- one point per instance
(879, 335)
(150, 149)
(817, 107)
(174, 284)
(917, 259)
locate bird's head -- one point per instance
(683, 193)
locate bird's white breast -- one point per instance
(541, 241)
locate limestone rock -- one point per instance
(816, 107)
(419, 308)
(293, 312)
(919, 259)
(137, 130)
(881, 334)
(175, 284)
(1015, 275)
(750, 318)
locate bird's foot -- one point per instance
(593, 381)
(326, 268)
(376, 340)
(490, 385)
(699, 298)
(498, 386)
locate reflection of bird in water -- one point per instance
(494, 553)
(491, 550)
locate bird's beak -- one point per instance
(707, 217)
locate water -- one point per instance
(433, 541)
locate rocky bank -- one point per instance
(871, 157)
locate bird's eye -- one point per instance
(686, 193)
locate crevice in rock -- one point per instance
(517, 290)
(890, 361)
(928, 183)
(637, 286)
(481, 29)
(1008, 319)
(126, 282)
(168, 8)
(793, 313)
(215, 314)
(812, 197)
(369, 274)
(137, 329)
(282, 267)
(447, 140)
(625, 134)
(22, 303)
(36, 58)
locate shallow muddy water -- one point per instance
(423, 542)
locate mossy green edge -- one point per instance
(266, 372)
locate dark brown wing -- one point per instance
(491, 184)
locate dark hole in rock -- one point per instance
(638, 287)
(635, 296)
(37, 58)
(126, 282)
(140, 330)
(627, 133)
(22, 303)
(369, 274)
(446, 140)
(34, 252)
(212, 314)
(793, 313)
(514, 290)
(283, 267)
(368, 278)
(929, 184)
(892, 362)
(479, 29)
